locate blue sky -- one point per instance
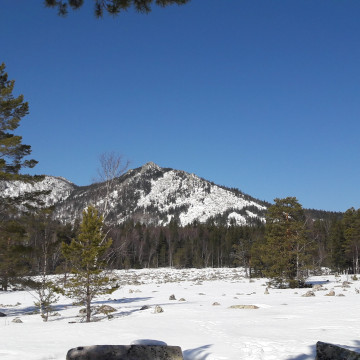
(259, 95)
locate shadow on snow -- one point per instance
(199, 353)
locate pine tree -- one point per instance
(12, 154)
(351, 222)
(338, 260)
(85, 254)
(13, 259)
(286, 248)
(12, 110)
(12, 150)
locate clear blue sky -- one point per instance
(255, 94)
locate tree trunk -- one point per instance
(88, 301)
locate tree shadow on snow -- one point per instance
(199, 353)
(355, 347)
(319, 282)
(33, 310)
(29, 310)
(121, 301)
(305, 356)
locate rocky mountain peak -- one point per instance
(153, 195)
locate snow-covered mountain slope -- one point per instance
(152, 195)
(197, 199)
(59, 188)
(155, 195)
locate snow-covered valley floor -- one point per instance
(285, 326)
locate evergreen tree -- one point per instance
(12, 160)
(286, 248)
(12, 150)
(338, 259)
(85, 254)
(351, 222)
(12, 110)
(14, 262)
(113, 7)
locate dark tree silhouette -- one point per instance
(113, 7)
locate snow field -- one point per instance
(286, 325)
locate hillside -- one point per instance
(154, 195)
(151, 195)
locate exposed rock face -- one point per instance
(125, 352)
(326, 351)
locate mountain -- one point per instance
(59, 188)
(149, 194)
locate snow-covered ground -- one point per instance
(285, 325)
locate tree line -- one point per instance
(289, 245)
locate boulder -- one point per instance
(125, 352)
(331, 293)
(243, 307)
(104, 309)
(325, 351)
(317, 287)
(17, 321)
(308, 294)
(158, 309)
(2, 314)
(172, 297)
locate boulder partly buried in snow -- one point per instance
(17, 321)
(104, 309)
(158, 309)
(331, 293)
(317, 287)
(326, 351)
(244, 307)
(125, 352)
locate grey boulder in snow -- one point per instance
(326, 351)
(125, 352)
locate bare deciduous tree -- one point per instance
(112, 166)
